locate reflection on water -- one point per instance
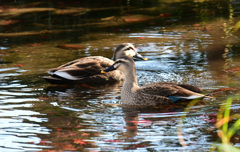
(20, 125)
(36, 116)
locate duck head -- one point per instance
(127, 49)
(123, 64)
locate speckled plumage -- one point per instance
(153, 94)
(88, 69)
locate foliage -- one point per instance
(225, 133)
(225, 128)
(236, 26)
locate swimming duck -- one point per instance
(153, 94)
(88, 69)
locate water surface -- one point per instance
(181, 48)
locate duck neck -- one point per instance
(130, 85)
(131, 79)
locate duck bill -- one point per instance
(111, 68)
(139, 56)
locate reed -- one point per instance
(225, 128)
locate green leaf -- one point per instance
(236, 26)
(226, 115)
(228, 148)
(233, 129)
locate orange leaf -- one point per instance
(132, 19)
(19, 65)
(85, 134)
(70, 46)
(165, 15)
(43, 98)
(196, 25)
(113, 140)
(87, 86)
(8, 22)
(222, 121)
(34, 44)
(59, 129)
(233, 69)
(140, 38)
(78, 126)
(79, 141)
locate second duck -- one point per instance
(87, 69)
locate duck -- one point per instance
(87, 70)
(153, 94)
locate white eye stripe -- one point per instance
(121, 60)
(128, 46)
(116, 65)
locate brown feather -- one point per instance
(87, 70)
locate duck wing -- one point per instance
(190, 87)
(169, 90)
(160, 89)
(81, 68)
(146, 99)
(186, 86)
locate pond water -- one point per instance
(194, 46)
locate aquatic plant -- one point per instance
(226, 126)
(225, 129)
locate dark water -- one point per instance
(185, 42)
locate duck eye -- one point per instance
(129, 48)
